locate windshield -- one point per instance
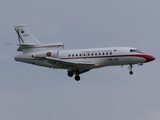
(135, 51)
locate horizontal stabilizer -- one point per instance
(26, 44)
(22, 44)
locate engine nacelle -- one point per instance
(51, 53)
(54, 54)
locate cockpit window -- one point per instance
(131, 50)
(138, 51)
(135, 50)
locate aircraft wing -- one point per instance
(69, 64)
(82, 66)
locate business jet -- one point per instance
(75, 61)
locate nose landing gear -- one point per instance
(130, 72)
(130, 68)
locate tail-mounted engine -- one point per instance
(53, 53)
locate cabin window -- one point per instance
(72, 55)
(80, 55)
(110, 53)
(95, 54)
(107, 53)
(92, 54)
(76, 55)
(69, 55)
(102, 53)
(99, 53)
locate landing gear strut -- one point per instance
(77, 77)
(130, 68)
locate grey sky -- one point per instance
(35, 93)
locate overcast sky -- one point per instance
(30, 92)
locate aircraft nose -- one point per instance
(149, 58)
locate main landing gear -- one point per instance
(77, 77)
(70, 74)
(130, 68)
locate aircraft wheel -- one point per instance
(77, 78)
(130, 72)
(70, 74)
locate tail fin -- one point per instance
(24, 36)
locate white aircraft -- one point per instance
(76, 61)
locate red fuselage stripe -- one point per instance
(131, 55)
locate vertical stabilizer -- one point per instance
(24, 36)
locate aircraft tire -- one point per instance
(131, 72)
(77, 78)
(70, 74)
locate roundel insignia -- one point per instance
(48, 54)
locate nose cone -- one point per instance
(149, 58)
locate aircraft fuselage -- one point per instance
(101, 57)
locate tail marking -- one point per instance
(19, 37)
